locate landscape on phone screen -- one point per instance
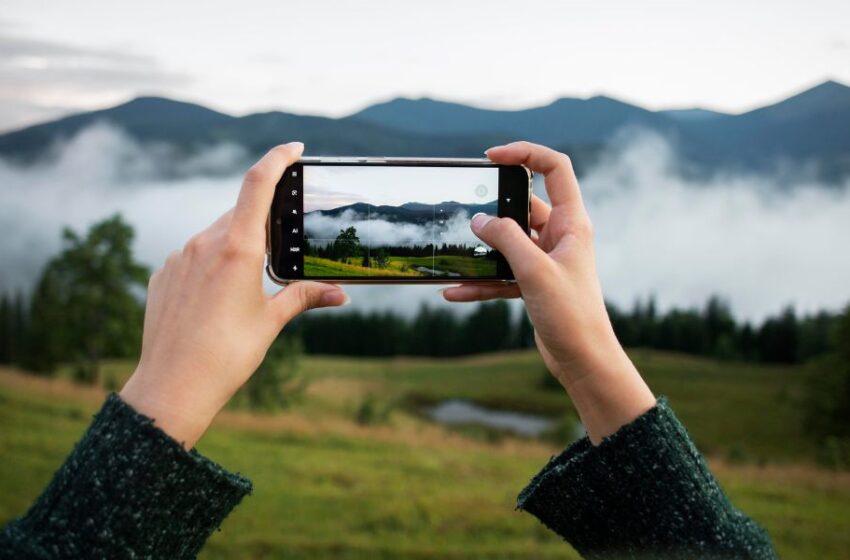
(397, 221)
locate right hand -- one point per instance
(556, 277)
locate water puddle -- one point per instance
(459, 412)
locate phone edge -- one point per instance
(377, 161)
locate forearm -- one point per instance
(644, 492)
(127, 491)
(606, 389)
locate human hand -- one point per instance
(556, 276)
(208, 321)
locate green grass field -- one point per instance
(400, 266)
(327, 487)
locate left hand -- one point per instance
(208, 321)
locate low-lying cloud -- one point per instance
(741, 236)
(377, 231)
(760, 243)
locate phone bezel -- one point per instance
(398, 162)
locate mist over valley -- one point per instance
(763, 237)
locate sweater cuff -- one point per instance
(130, 490)
(645, 491)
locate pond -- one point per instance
(458, 412)
(435, 272)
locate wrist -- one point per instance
(607, 390)
(182, 417)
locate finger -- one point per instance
(561, 183)
(539, 213)
(298, 297)
(255, 198)
(156, 284)
(164, 277)
(505, 235)
(476, 292)
(222, 222)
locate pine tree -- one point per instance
(19, 329)
(5, 329)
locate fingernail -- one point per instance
(335, 298)
(299, 145)
(480, 220)
(442, 291)
(488, 150)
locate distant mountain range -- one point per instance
(410, 212)
(812, 127)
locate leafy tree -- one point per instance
(86, 305)
(346, 244)
(382, 260)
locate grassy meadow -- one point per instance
(399, 486)
(400, 266)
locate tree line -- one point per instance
(710, 331)
(88, 304)
(347, 246)
(713, 331)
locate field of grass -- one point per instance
(401, 266)
(321, 267)
(465, 266)
(328, 487)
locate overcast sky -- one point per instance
(334, 57)
(328, 187)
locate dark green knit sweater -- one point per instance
(129, 491)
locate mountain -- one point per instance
(692, 114)
(193, 127)
(145, 118)
(812, 127)
(567, 121)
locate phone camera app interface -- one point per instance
(396, 221)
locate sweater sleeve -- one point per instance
(644, 492)
(127, 490)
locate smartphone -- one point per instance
(391, 220)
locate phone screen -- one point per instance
(386, 222)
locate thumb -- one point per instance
(505, 235)
(298, 297)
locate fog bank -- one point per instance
(377, 231)
(740, 236)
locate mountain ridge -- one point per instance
(812, 126)
(409, 212)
